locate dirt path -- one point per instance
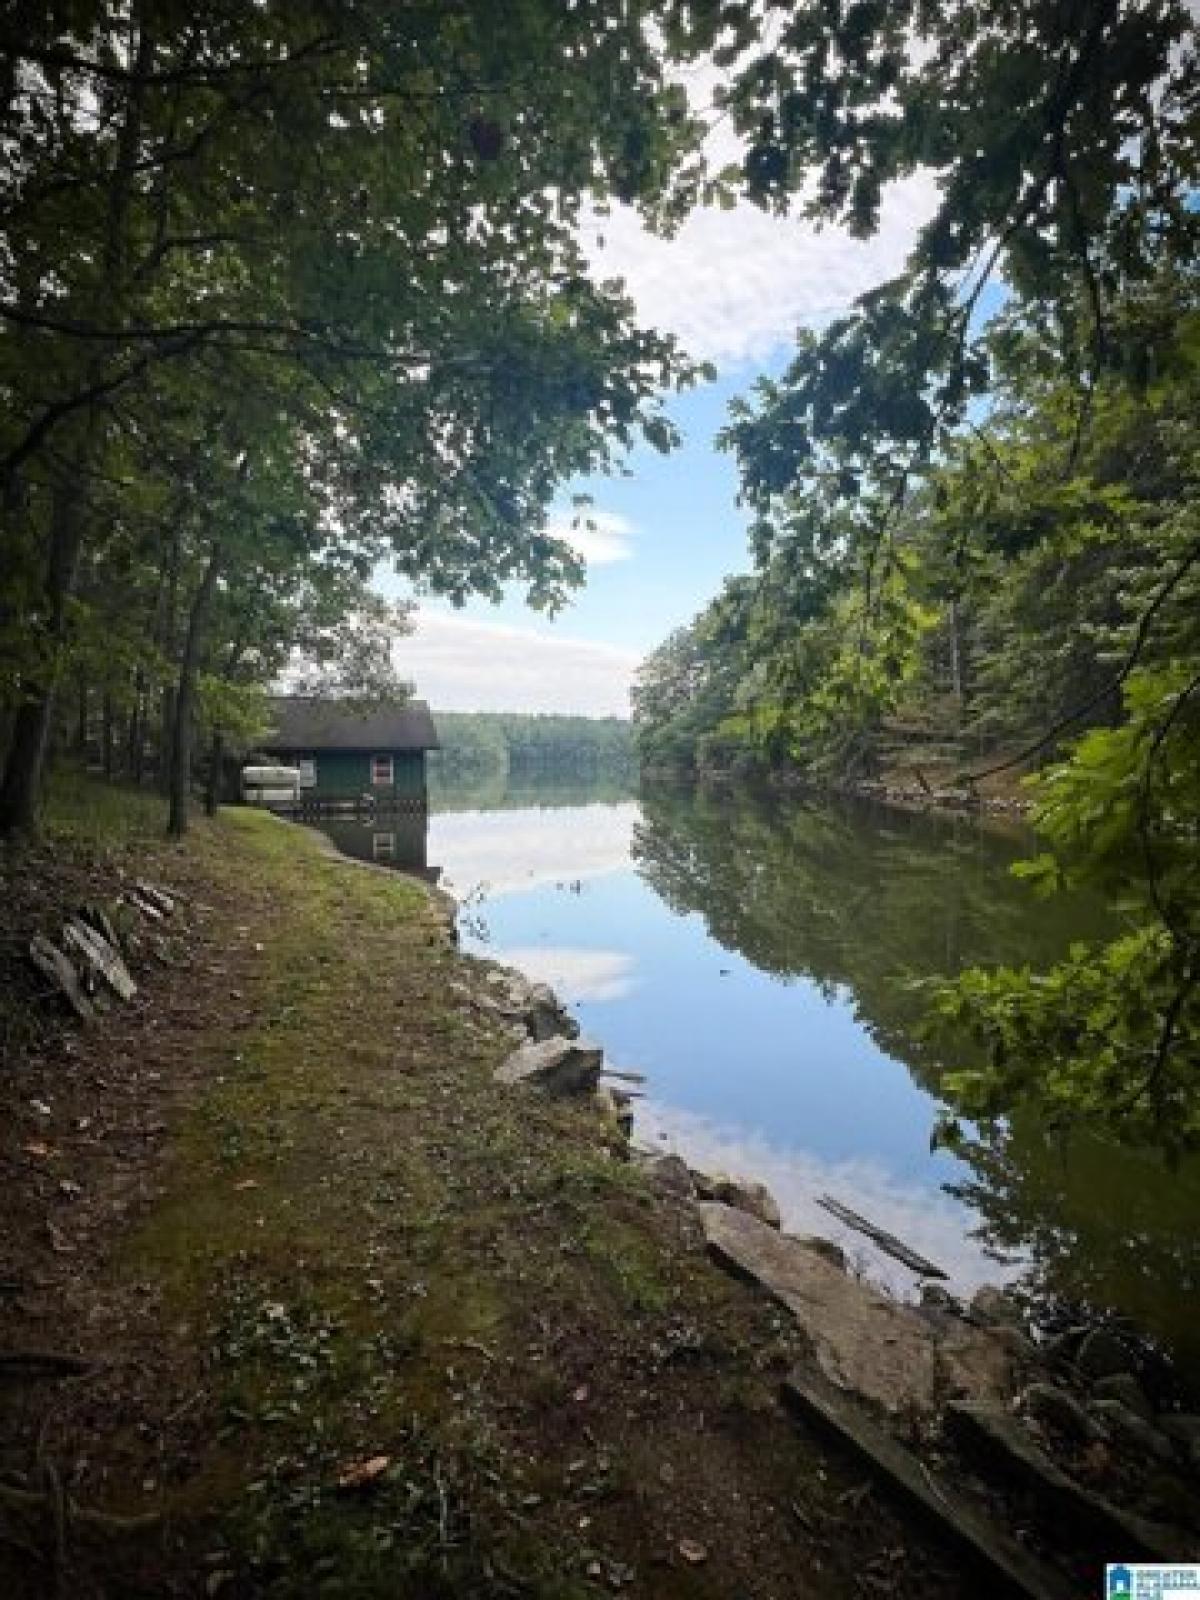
(360, 1322)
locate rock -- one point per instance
(1062, 1412)
(670, 1174)
(833, 1253)
(1185, 1430)
(1011, 1569)
(1000, 1443)
(1123, 1386)
(99, 957)
(993, 1305)
(745, 1194)
(1101, 1354)
(1062, 1348)
(975, 1363)
(1138, 1436)
(545, 1016)
(54, 966)
(616, 1109)
(862, 1341)
(935, 1297)
(558, 1066)
(706, 1183)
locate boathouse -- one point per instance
(347, 753)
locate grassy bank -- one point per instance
(361, 1322)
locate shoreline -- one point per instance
(327, 1262)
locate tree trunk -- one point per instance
(185, 698)
(135, 746)
(216, 761)
(20, 791)
(81, 719)
(106, 736)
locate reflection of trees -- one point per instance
(500, 790)
(853, 896)
(858, 898)
(1110, 1227)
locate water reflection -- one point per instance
(856, 899)
(748, 956)
(930, 1222)
(528, 847)
(398, 839)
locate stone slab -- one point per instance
(1011, 1568)
(999, 1441)
(559, 1066)
(862, 1341)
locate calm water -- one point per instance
(749, 957)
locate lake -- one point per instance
(751, 957)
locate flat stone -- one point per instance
(990, 1304)
(1102, 1354)
(1012, 1570)
(999, 1442)
(745, 1194)
(862, 1342)
(557, 1066)
(1123, 1386)
(975, 1363)
(833, 1253)
(670, 1174)
(55, 966)
(1139, 1437)
(1062, 1412)
(101, 959)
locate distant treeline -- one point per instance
(475, 742)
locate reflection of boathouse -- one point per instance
(397, 838)
(353, 757)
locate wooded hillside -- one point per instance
(478, 742)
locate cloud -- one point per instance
(459, 663)
(531, 847)
(609, 538)
(574, 974)
(735, 285)
(929, 1220)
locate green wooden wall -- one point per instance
(348, 772)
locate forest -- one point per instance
(477, 744)
(975, 539)
(293, 292)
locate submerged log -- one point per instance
(887, 1242)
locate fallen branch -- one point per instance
(887, 1242)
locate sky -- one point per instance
(733, 286)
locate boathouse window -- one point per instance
(381, 770)
(307, 768)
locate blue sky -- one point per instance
(733, 286)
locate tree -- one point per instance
(403, 309)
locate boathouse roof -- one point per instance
(303, 722)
